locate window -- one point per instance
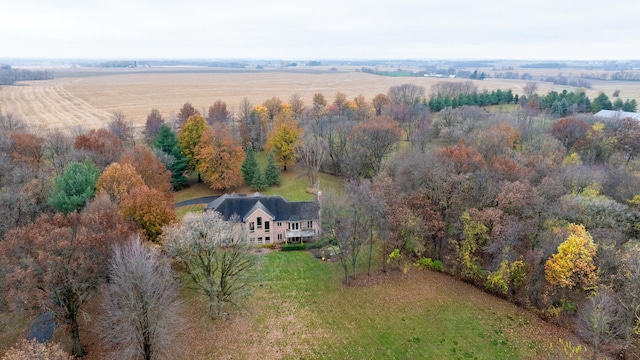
(279, 224)
(259, 240)
(267, 240)
(279, 236)
(259, 221)
(267, 226)
(251, 226)
(252, 240)
(294, 226)
(309, 224)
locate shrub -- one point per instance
(293, 247)
(424, 263)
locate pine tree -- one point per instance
(167, 141)
(249, 166)
(258, 183)
(272, 171)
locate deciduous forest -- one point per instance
(529, 197)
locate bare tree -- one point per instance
(215, 254)
(345, 221)
(405, 94)
(601, 320)
(141, 305)
(121, 127)
(152, 126)
(312, 153)
(530, 89)
(59, 149)
(297, 105)
(186, 111)
(450, 89)
(10, 122)
(218, 112)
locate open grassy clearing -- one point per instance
(85, 100)
(294, 187)
(301, 310)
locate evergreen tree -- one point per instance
(258, 182)
(74, 187)
(630, 105)
(167, 141)
(272, 171)
(249, 166)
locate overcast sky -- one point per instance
(328, 29)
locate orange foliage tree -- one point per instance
(463, 158)
(149, 208)
(219, 157)
(152, 171)
(118, 180)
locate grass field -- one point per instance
(294, 186)
(300, 310)
(84, 99)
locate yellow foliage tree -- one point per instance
(117, 180)
(573, 264)
(284, 138)
(189, 137)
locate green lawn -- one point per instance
(300, 309)
(294, 185)
(183, 210)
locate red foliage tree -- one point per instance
(570, 131)
(26, 149)
(102, 146)
(57, 263)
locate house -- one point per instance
(617, 114)
(270, 219)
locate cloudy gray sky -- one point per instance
(343, 29)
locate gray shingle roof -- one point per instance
(279, 208)
(617, 114)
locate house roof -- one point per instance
(279, 208)
(617, 114)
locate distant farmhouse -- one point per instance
(270, 219)
(617, 114)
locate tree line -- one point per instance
(9, 76)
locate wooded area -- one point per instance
(536, 203)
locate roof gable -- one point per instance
(256, 207)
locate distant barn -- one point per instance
(617, 114)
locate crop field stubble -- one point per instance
(86, 98)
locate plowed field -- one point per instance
(84, 99)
